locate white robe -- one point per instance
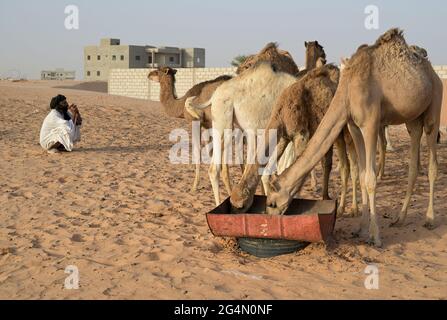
(56, 129)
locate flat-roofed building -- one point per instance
(57, 74)
(110, 54)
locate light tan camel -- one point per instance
(383, 84)
(175, 107)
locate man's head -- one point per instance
(60, 104)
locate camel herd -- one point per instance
(387, 83)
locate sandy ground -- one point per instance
(118, 210)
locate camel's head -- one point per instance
(241, 199)
(156, 75)
(316, 50)
(279, 199)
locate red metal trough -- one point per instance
(305, 220)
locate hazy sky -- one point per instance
(34, 37)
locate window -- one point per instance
(171, 59)
(88, 57)
(137, 58)
(122, 58)
(88, 73)
(98, 73)
(113, 58)
(99, 57)
(149, 60)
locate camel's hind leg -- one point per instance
(382, 152)
(431, 128)
(344, 173)
(415, 130)
(389, 146)
(357, 137)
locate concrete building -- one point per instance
(58, 74)
(110, 54)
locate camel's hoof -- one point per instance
(429, 225)
(397, 223)
(361, 233)
(374, 242)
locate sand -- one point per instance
(119, 211)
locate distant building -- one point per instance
(110, 54)
(58, 74)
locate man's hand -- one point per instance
(76, 114)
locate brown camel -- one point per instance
(383, 84)
(296, 116)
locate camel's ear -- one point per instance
(166, 71)
(173, 71)
(305, 44)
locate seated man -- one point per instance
(61, 128)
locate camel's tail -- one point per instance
(196, 111)
(327, 132)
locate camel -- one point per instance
(175, 107)
(247, 100)
(382, 84)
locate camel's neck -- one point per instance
(173, 107)
(311, 59)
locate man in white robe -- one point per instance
(61, 128)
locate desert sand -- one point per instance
(118, 210)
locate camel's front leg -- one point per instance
(196, 179)
(415, 130)
(226, 178)
(370, 133)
